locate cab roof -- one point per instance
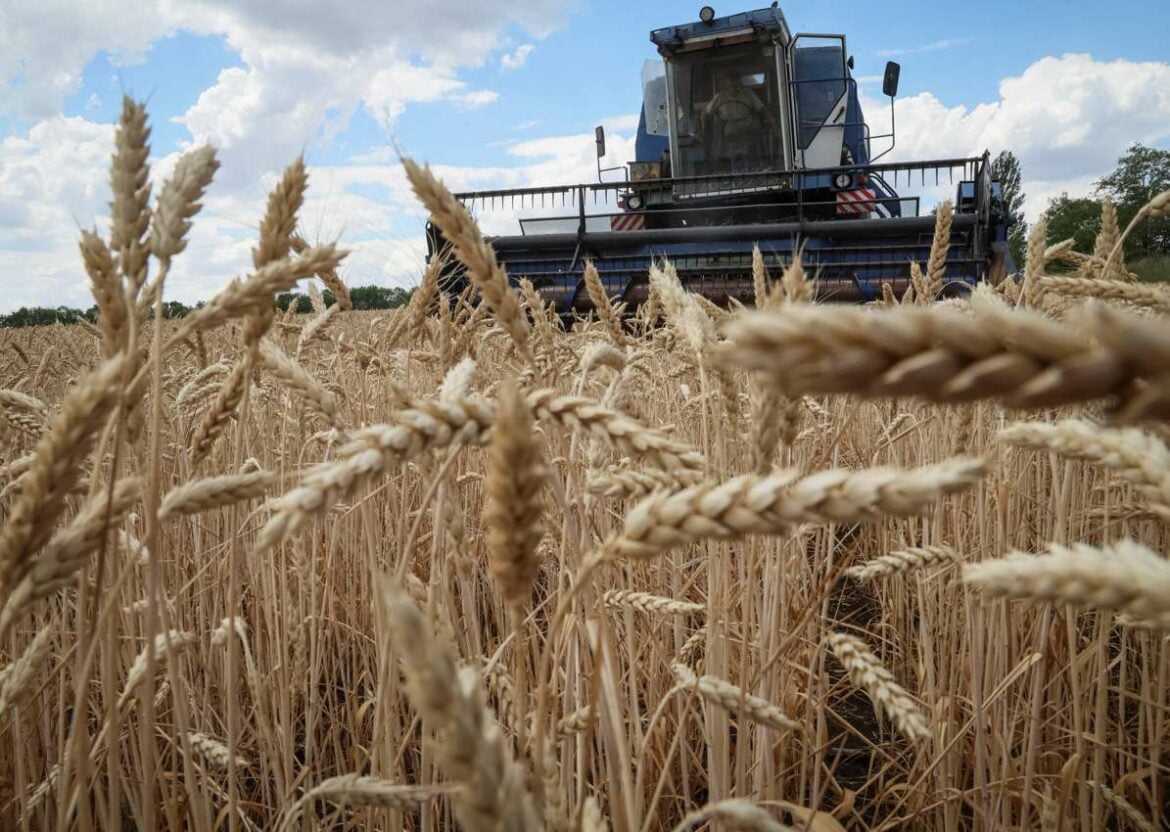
(673, 38)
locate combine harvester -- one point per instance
(749, 135)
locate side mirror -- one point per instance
(889, 80)
(599, 137)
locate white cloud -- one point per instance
(945, 43)
(516, 58)
(44, 44)
(1067, 118)
(52, 183)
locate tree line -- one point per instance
(1141, 174)
(363, 297)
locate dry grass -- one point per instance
(455, 566)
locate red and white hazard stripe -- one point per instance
(858, 202)
(627, 222)
(630, 221)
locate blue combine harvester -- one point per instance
(749, 135)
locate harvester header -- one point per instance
(748, 135)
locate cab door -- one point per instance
(820, 99)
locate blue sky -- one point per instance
(495, 93)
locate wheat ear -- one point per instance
(327, 274)
(624, 482)
(468, 245)
(867, 672)
(735, 814)
(513, 483)
(214, 492)
(450, 702)
(736, 700)
(903, 560)
(941, 355)
(222, 410)
(773, 504)
(297, 378)
(179, 201)
(1151, 297)
(936, 266)
(628, 599)
(65, 553)
(172, 640)
(432, 425)
(1123, 807)
(241, 297)
(130, 184)
(57, 465)
(105, 284)
(16, 678)
(606, 312)
(355, 790)
(625, 434)
(214, 752)
(1133, 455)
(1124, 576)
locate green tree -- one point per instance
(1141, 174)
(1005, 169)
(1076, 217)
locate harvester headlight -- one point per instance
(842, 181)
(706, 14)
(634, 202)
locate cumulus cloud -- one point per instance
(1067, 118)
(518, 57)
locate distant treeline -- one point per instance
(363, 297)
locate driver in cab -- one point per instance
(734, 119)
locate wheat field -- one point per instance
(459, 566)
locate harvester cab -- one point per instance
(749, 135)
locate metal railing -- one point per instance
(729, 190)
